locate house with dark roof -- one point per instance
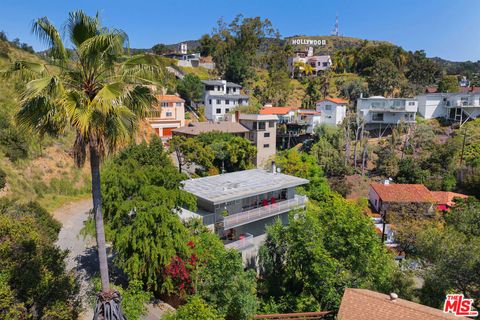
(220, 97)
(363, 304)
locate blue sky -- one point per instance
(444, 28)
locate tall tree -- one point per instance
(98, 93)
(190, 88)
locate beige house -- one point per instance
(167, 115)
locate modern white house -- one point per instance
(284, 114)
(220, 96)
(381, 113)
(332, 110)
(458, 106)
(237, 206)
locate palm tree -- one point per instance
(96, 90)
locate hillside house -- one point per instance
(318, 63)
(237, 206)
(310, 117)
(401, 199)
(284, 114)
(220, 97)
(167, 115)
(332, 110)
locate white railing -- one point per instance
(242, 244)
(260, 213)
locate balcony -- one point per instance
(245, 241)
(263, 212)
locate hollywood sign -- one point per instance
(309, 42)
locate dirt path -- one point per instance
(82, 254)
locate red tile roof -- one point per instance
(169, 98)
(362, 304)
(446, 197)
(275, 110)
(402, 192)
(334, 100)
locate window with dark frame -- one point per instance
(219, 110)
(266, 135)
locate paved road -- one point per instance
(82, 255)
(81, 251)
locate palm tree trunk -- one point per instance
(97, 209)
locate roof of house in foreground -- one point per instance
(362, 304)
(403, 192)
(446, 197)
(239, 185)
(196, 128)
(275, 110)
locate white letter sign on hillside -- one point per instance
(311, 42)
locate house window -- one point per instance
(271, 124)
(209, 101)
(411, 103)
(325, 64)
(164, 104)
(377, 116)
(319, 64)
(227, 110)
(266, 145)
(266, 135)
(227, 101)
(178, 104)
(328, 107)
(261, 126)
(169, 113)
(219, 101)
(219, 110)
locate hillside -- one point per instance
(37, 169)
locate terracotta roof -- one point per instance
(334, 100)
(446, 197)
(169, 98)
(402, 192)
(275, 110)
(362, 304)
(196, 128)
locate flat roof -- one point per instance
(238, 185)
(196, 128)
(220, 83)
(229, 96)
(261, 117)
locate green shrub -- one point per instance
(3, 178)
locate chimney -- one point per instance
(393, 296)
(274, 167)
(386, 182)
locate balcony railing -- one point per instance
(260, 213)
(242, 244)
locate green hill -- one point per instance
(36, 169)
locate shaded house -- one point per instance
(363, 304)
(444, 199)
(414, 199)
(310, 117)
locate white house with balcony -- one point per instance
(237, 206)
(382, 113)
(220, 96)
(458, 106)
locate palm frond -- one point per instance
(48, 34)
(81, 27)
(102, 44)
(108, 97)
(139, 100)
(25, 70)
(50, 86)
(144, 68)
(42, 115)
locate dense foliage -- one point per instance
(142, 194)
(33, 281)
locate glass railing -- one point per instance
(263, 212)
(245, 241)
